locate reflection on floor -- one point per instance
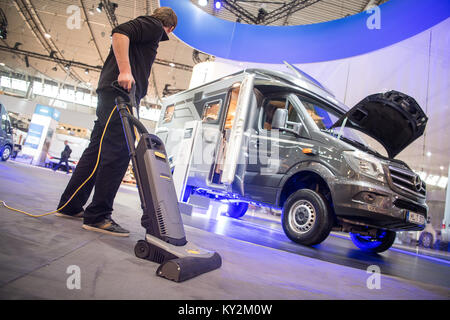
(337, 248)
(259, 262)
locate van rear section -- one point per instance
(217, 115)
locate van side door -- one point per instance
(277, 150)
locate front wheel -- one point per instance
(376, 244)
(6, 152)
(306, 217)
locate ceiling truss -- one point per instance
(263, 17)
(31, 18)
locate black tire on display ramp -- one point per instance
(307, 218)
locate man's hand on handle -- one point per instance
(126, 80)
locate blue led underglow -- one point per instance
(366, 242)
(337, 39)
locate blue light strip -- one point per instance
(337, 39)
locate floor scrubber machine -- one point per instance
(165, 240)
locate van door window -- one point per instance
(211, 112)
(269, 111)
(321, 117)
(293, 116)
(232, 108)
(168, 114)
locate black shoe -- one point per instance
(107, 226)
(78, 215)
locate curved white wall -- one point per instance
(418, 66)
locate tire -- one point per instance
(382, 242)
(142, 249)
(6, 153)
(306, 217)
(426, 240)
(237, 209)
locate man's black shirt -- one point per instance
(145, 33)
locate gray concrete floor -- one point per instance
(35, 255)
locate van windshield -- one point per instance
(325, 117)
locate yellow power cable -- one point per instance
(76, 191)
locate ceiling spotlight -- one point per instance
(86, 71)
(47, 35)
(429, 154)
(441, 167)
(99, 7)
(172, 64)
(202, 3)
(55, 69)
(67, 67)
(217, 4)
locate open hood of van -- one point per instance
(394, 119)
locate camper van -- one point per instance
(274, 139)
(6, 135)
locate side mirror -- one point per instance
(279, 118)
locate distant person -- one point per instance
(65, 154)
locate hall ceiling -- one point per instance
(89, 45)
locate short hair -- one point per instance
(166, 15)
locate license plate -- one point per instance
(416, 218)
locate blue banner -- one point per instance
(34, 135)
(391, 22)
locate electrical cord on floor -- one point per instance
(76, 191)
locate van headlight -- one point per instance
(365, 164)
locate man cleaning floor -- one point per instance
(133, 51)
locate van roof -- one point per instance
(301, 80)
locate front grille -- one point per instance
(406, 182)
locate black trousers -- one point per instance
(114, 160)
(66, 163)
